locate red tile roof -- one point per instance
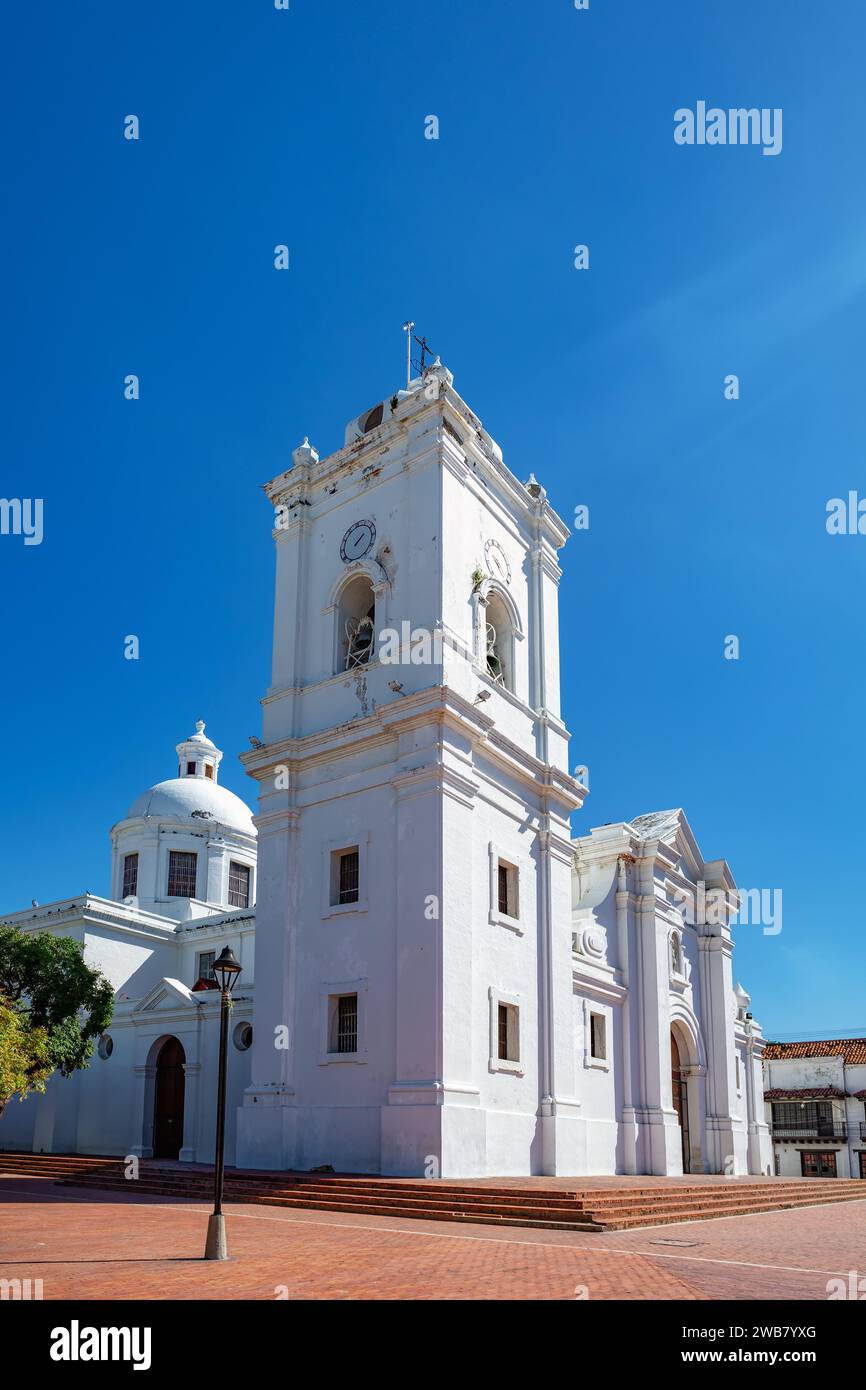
(809, 1092)
(852, 1049)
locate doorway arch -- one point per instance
(680, 1092)
(168, 1099)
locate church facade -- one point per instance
(446, 982)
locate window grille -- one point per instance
(181, 874)
(239, 885)
(349, 876)
(503, 1032)
(503, 888)
(130, 875)
(347, 1023)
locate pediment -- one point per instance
(672, 829)
(167, 993)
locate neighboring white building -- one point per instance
(183, 887)
(815, 1096)
(448, 982)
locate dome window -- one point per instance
(181, 873)
(130, 876)
(239, 884)
(208, 770)
(190, 769)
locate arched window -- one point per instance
(356, 624)
(499, 643)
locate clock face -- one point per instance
(357, 541)
(497, 562)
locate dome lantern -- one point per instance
(197, 756)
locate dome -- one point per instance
(183, 796)
(195, 792)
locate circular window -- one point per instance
(105, 1047)
(243, 1036)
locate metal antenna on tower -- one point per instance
(426, 351)
(407, 329)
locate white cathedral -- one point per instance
(437, 978)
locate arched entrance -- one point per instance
(168, 1100)
(680, 1089)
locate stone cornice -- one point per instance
(439, 704)
(312, 480)
(600, 986)
(90, 908)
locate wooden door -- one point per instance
(680, 1090)
(168, 1101)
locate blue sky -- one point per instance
(707, 516)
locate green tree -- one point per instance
(25, 1062)
(52, 991)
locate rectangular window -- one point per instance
(508, 1038)
(597, 1037)
(506, 882)
(345, 1038)
(204, 966)
(503, 888)
(190, 769)
(345, 865)
(239, 885)
(130, 875)
(208, 771)
(181, 873)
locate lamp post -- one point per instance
(226, 970)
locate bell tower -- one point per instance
(413, 949)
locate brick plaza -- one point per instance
(92, 1245)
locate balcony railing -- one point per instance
(819, 1129)
(863, 1129)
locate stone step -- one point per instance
(430, 1209)
(430, 1201)
(669, 1216)
(611, 1200)
(590, 1208)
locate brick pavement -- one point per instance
(96, 1245)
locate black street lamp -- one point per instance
(226, 970)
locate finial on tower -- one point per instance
(305, 453)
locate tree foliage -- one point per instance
(54, 1006)
(25, 1062)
